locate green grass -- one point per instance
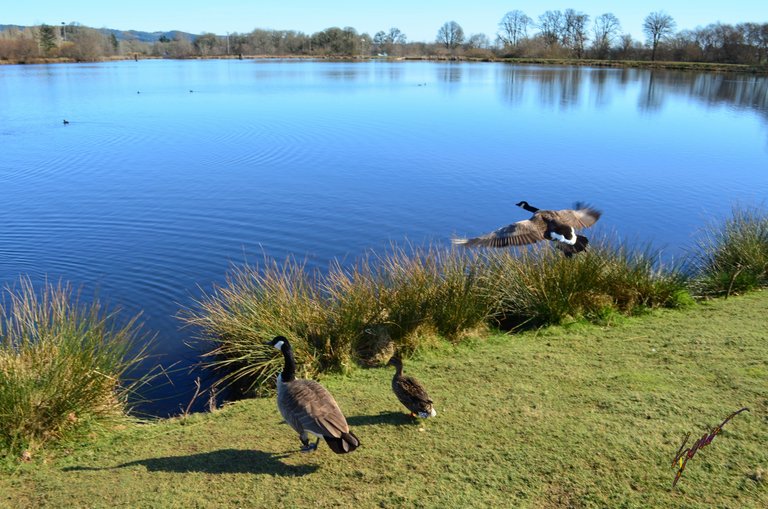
(62, 365)
(571, 416)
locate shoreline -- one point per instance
(621, 64)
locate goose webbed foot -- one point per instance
(307, 447)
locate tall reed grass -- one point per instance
(406, 298)
(732, 257)
(539, 286)
(347, 316)
(61, 364)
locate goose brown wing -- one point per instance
(411, 394)
(582, 217)
(515, 234)
(312, 408)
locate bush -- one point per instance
(541, 287)
(733, 257)
(61, 364)
(255, 305)
(407, 297)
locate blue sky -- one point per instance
(418, 19)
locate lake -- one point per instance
(170, 171)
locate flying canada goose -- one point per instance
(556, 225)
(410, 392)
(309, 408)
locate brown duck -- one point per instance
(410, 392)
(309, 408)
(558, 226)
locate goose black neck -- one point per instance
(289, 370)
(398, 368)
(527, 207)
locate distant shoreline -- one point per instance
(628, 64)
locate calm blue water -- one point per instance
(170, 171)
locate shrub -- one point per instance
(540, 287)
(236, 320)
(61, 364)
(404, 299)
(732, 257)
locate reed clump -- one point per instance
(62, 364)
(732, 257)
(540, 287)
(408, 297)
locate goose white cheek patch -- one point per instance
(561, 238)
(279, 345)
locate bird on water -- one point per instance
(309, 408)
(558, 226)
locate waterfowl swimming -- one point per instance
(555, 225)
(65, 122)
(410, 392)
(309, 408)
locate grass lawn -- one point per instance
(578, 416)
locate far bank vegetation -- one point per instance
(568, 34)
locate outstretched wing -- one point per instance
(515, 234)
(582, 216)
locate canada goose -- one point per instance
(410, 392)
(309, 408)
(555, 225)
(65, 122)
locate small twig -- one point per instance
(212, 400)
(733, 280)
(194, 397)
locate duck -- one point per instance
(309, 408)
(410, 392)
(558, 226)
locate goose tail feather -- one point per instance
(579, 246)
(348, 442)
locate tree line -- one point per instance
(553, 34)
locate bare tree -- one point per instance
(514, 27)
(605, 28)
(387, 41)
(84, 44)
(450, 35)
(658, 26)
(205, 44)
(551, 25)
(575, 31)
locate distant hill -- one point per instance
(128, 35)
(136, 35)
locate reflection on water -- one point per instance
(565, 87)
(151, 192)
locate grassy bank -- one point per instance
(577, 416)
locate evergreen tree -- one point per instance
(47, 38)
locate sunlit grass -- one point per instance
(62, 363)
(569, 416)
